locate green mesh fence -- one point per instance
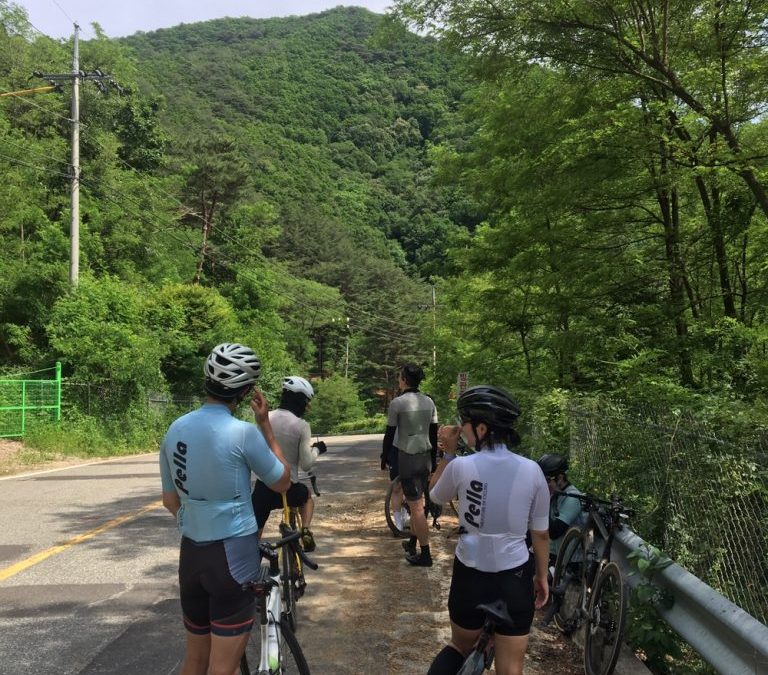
(703, 501)
(24, 400)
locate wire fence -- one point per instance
(702, 500)
(25, 400)
(107, 399)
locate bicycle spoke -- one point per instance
(606, 622)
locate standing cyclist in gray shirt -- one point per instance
(412, 434)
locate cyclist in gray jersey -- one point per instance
(411, 441)
(501, 496)
(206, 460)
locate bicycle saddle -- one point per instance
(498, 612)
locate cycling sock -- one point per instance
(412, 542)
(425, 551)
(447, 662)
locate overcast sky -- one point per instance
(124, 17)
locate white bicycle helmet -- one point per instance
(232, 366)
(299, 385)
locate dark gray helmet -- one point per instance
(552, 464)
(492, 405)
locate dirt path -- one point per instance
(367, 612)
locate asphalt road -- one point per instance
(88, 562)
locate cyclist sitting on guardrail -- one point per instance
(294, 435)
(501, 496)
(563, 511)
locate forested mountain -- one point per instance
(259, 180)
(593, 218)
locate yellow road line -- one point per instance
(8, 572)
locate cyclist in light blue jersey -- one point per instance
(206, 460)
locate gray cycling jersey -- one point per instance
(411, 414)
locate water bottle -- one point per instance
(273, 631)
(273, 648)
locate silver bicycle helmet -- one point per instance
(232, 366)
(299, 385)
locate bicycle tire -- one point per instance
(607, 615)
(389, 515)
(474, 664)
(568, 577)
(292, 660)
(289, 575)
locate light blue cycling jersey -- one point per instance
(207, 456)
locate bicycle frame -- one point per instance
(601, 526)
(267, 588)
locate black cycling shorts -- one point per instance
(394, 469)
(470, 587)
(265, 500)
(414, 473)
(211, 576)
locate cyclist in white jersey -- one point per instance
(501, 496)
(294, 435)
(206, 460)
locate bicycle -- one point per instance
(402, 529)
(587, 587)
(273, 646)
(291, 562)
(481, 656)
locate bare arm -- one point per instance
(447, 441)
(172, 502)
(260, 409)
(541, 556)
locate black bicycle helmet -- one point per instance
(552, 464)
(491, 405)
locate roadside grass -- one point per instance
(83, 436)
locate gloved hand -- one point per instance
(321, 447)
(384, 462)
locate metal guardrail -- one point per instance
(730, 640)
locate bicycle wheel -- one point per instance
(249, 662)
(474, 664)
(568, 581)
(403, 519)
(292, 661)
(289, 575)
(605, 629)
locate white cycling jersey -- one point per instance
(294, 436)
(501, 496)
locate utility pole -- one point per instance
(74, 229)
(346, 359)
(434, 329)
(76, 76)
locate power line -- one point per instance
(71, 20)
(222, 258)
(34, 166)
(344, 304)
